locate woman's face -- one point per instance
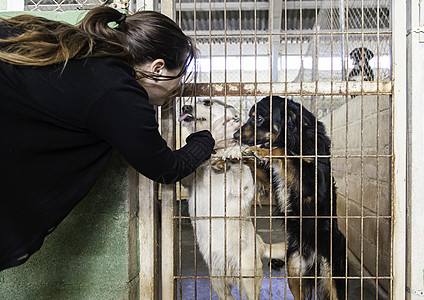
(159, 91)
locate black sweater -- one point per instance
(57, 131)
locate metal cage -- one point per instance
(301, 50)
(250, 49)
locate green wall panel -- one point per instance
(93, 252)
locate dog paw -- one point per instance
(260, 153)
(249, 151)
(276, 263)
(232, 153)
(218, 166)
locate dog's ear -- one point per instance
(308, 132)
(368, 54)
(293, 128)
(313, 131)
(234, 111)
(296, 126)
(278, 123)
(291, 123)
(356, 54)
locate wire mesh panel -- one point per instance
(63, 5)
(324, 64)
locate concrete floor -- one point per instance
(277, 288)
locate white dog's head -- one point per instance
(202, 115)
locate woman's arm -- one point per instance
(124, 118)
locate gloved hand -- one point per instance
(223, 132)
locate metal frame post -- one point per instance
(399, 141)
(415, 159)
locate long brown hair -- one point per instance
(137, 39)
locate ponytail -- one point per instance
(104, 31)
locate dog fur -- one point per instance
(224, 187)
(297, 176)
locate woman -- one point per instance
(69, 97)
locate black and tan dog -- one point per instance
(305, 192)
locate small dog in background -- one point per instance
(305, 192)
(356, 73)
(221, 192)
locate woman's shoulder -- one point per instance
(97, 74)
(103, 67)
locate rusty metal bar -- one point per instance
(290, 88)
(168, 195)
(345, 24)
(292, 5)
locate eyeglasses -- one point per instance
(183, 71)
(178, 92)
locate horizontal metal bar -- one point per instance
(323, 156)
(53, 7)
(281, 277)
(289, 88)
(349, 217)
(290, 33)
(293, 5)
(221, 6)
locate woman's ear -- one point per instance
(157, 66)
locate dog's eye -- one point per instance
(207, 103)
(259, 119)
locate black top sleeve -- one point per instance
(124, 118)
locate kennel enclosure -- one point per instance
(297, 49)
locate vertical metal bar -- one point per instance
(210, 171)
(255, 131)
(275, 11)
(344, 37)
(273, 56)
(315, 78)
(399, 149)
(343, 30)
(378, 156)
(195, 174)
(240, 24)
(285, 150)
(301, 154)
(275, 15)
(180, 280)
(147, 239)
(362, 154)
(332, 191)
(168, 121)
(239, 145)
(227, 272)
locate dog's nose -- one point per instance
(237, 134)
(187, 109)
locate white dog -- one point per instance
(221, 192)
